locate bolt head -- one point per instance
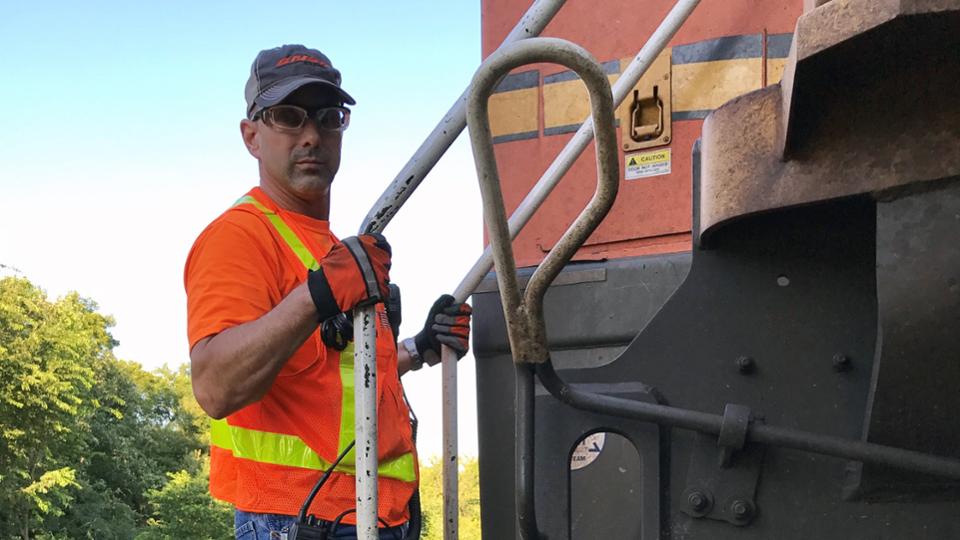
(742, 510)
(745, 364)
(841, 362)
(697, 500)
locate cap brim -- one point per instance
(279, 92)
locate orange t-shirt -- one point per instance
(237, 271)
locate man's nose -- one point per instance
(310, 134)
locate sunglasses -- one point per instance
(292, 118)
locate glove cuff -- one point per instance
(321, 294)
(416, 360)
(422, 342)
(430, 356)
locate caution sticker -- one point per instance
(647, 164)
(587, 451)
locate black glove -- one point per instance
(447, 324)
(339, 284)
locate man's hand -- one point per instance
(339, 285)
(447, 324)
(237, 366)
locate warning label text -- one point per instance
(646, 164)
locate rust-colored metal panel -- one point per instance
(617, 29)
(718, 54)
(817, 136)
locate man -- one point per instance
(262, 280)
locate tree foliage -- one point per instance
(183, 508)
(431, 497)
(92, 446)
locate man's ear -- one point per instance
(251, 137)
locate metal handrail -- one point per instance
(578, 143)
(537, 195)
(531, 24)
(365, 368)
(712, 424)
(409, 178)
(524, 317)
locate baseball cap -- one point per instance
(276, 73)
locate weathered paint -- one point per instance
(717, 55)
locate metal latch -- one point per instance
(646, 116)
(645, 119)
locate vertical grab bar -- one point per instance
(628, 78)
(565, 159)
(524, 316)
(540, 13)
(530, 25)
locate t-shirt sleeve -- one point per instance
(232, 275)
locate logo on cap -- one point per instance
(301, 58)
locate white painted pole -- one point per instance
(540, 13)
(365, 417)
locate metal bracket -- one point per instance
(724, 471)
(733, 432)
(645, 116)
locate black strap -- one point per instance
(366, 269)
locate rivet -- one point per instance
(841, 362)
(699, 503)
(741, 510)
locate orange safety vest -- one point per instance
(260, 463)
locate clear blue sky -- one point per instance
(120, 141)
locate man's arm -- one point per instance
(448, 323)
(404, 362)
(236, 367)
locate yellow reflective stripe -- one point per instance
(291, 451)
(289, 237)
(220, 434)
(347, 403)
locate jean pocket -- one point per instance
(247, 531)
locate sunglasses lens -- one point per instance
(292, 118)
(287, 116)
(333, 119)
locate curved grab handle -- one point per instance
(525, 324)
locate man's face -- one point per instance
(302, 162)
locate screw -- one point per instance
(841, 362)
(741, 510)
(666, 139)
(697, 501)
(745, 364)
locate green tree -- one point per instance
(183, 508)
(139, 434)
(89, 444)
(50, 353)
(431, 497)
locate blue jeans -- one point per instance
(251, 526)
